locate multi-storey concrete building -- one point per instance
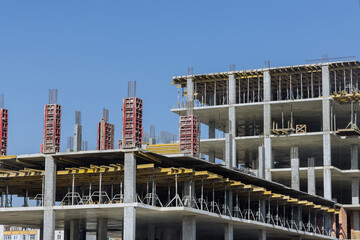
(281, 163)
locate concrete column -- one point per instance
(151, 232)
(41, 233)
(355, 191)
(311, 176)
(230, 201)
(189, 96)
(212, 129)
(67, 230)
(229, 231)
(261, 168)
(295, 179)
(188, 227)
(232, 89)
(101, 231)
(82, 235)
(232, 131)
(129, 196)
(228, 150)
(326, 131)
(354, 156)
(74, 229)
(49, 198)
(212, 156)
(77, 137)
(262, 234)
(267, 124)
(189, 190)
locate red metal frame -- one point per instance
(52, 128)
(189, 135)
(132, 122)
(4, 116)
(105, 135)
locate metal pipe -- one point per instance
(335, 81)
(72, 189)
(312, 85)
(100, 178)
(202, 192)
(301, 86)
(214, 93)
(249, 204)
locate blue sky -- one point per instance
(89, 50)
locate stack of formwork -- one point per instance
(132, 122)
(3, 131)
(52, 128)
(105, 135)
(189, 135)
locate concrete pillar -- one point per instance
(228, 150)
(232, 131)
(297, 214)
(212, 156)
(355, 191)
(267, 124)
(77, 137)
(212, 129)
(328, 223)
(189, 96)
(101, 231)
(311, 176)
(262, 234)
(189, 190)
(261, 168)
(354, 156)
(74, 229)
(67, 230)
(129, 196)
(82, 234)
(326, 131)
(151, 232)
(41, 233)
(232, 89)
(229, 231)
(49, 198)
(188, 227)
(295, 178)
(230, 201)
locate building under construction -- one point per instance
(280, 162)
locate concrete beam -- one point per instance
(74, 229)
(311, 176)
(101, 231)
(229, 231)
(354, 156)
(295, 173)
(49, 198)
(188, 227)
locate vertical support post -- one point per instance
(67, 230)
(228, 150)
(129, 196)
(267, 124)
(232, 131)
(212, 129)
(355, 191)
(295, 179)
(49, 198)
(101, 232)
(326, 132)
(189, 96)
(188, 227)
(229, 231)
(72, 189)
(311, 176)
(74, 229)
(354, 156)
(261, 168)
(262, 234)
(151, 232)
(77, 132)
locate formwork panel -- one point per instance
(105, 135)
(132, 122)
(189, 135)
(3, 131)
(52, 128)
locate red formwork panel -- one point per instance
(52, 128)
(3, 130)
(132, 122)
(189, 135)
(105, 135)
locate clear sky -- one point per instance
(89, 50)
